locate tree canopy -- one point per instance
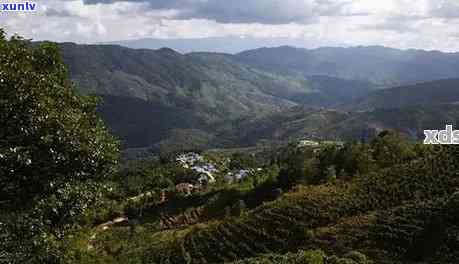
(49, 134)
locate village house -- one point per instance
(185, 188)
(206, 178)
(308, 143)
(197, 163)
(237, 176)
(187, 160)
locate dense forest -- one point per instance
(67, 196)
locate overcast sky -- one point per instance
(423, 24)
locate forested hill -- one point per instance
(151, 96)
(201, 100)
(204, 81)
(436, 92)
(322, 124)
(386, 67)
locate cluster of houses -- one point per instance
(198, 164)
(189, 159)
(237, 176)
(206, 173)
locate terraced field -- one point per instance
(307, 257)
(407, 213)
(337, 218)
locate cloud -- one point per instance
(249, 11)
(52, 12)
(398, 23)
(424, 24)
(448, 9)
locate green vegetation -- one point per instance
(208, 100)
(55, 154)
(384, 206)
(325, 124)
(429, 93)
(385, 67)
(66, 198)
(308, 257)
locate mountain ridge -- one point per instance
(383, 66)
(212, 97)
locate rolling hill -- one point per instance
(331, 124)
(385, 67)
(156, 98)
(195, 81)
(148, 93)
(436, 92)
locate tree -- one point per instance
(328, 158)
(240, 161)
(389, 149)
(355, 158)
(55, 152)
(298, 165)
(49, 134)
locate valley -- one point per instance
(274, 155)
(216, 100)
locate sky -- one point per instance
(418, 24)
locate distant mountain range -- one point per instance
(231, 45)
(161, 97)
(385, 67)
(206, 81)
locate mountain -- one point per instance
(231, 45)
(385, 67)
(210, 83)
(436, 92)
(149, 93)
(334, 92)
(160, 98)
(139, 123)
(328, 124)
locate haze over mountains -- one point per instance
(155, 97)
(382, 66)
(231, 44)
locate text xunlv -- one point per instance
(18, 7)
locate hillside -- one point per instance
(313, 123)
(211, 81)
(436, 92)
(333, 92)
(177, 129)
(140, 123)
(205, 100)
(385, 201)
(198, 91)
(385, 67)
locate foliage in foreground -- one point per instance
(55, 153)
